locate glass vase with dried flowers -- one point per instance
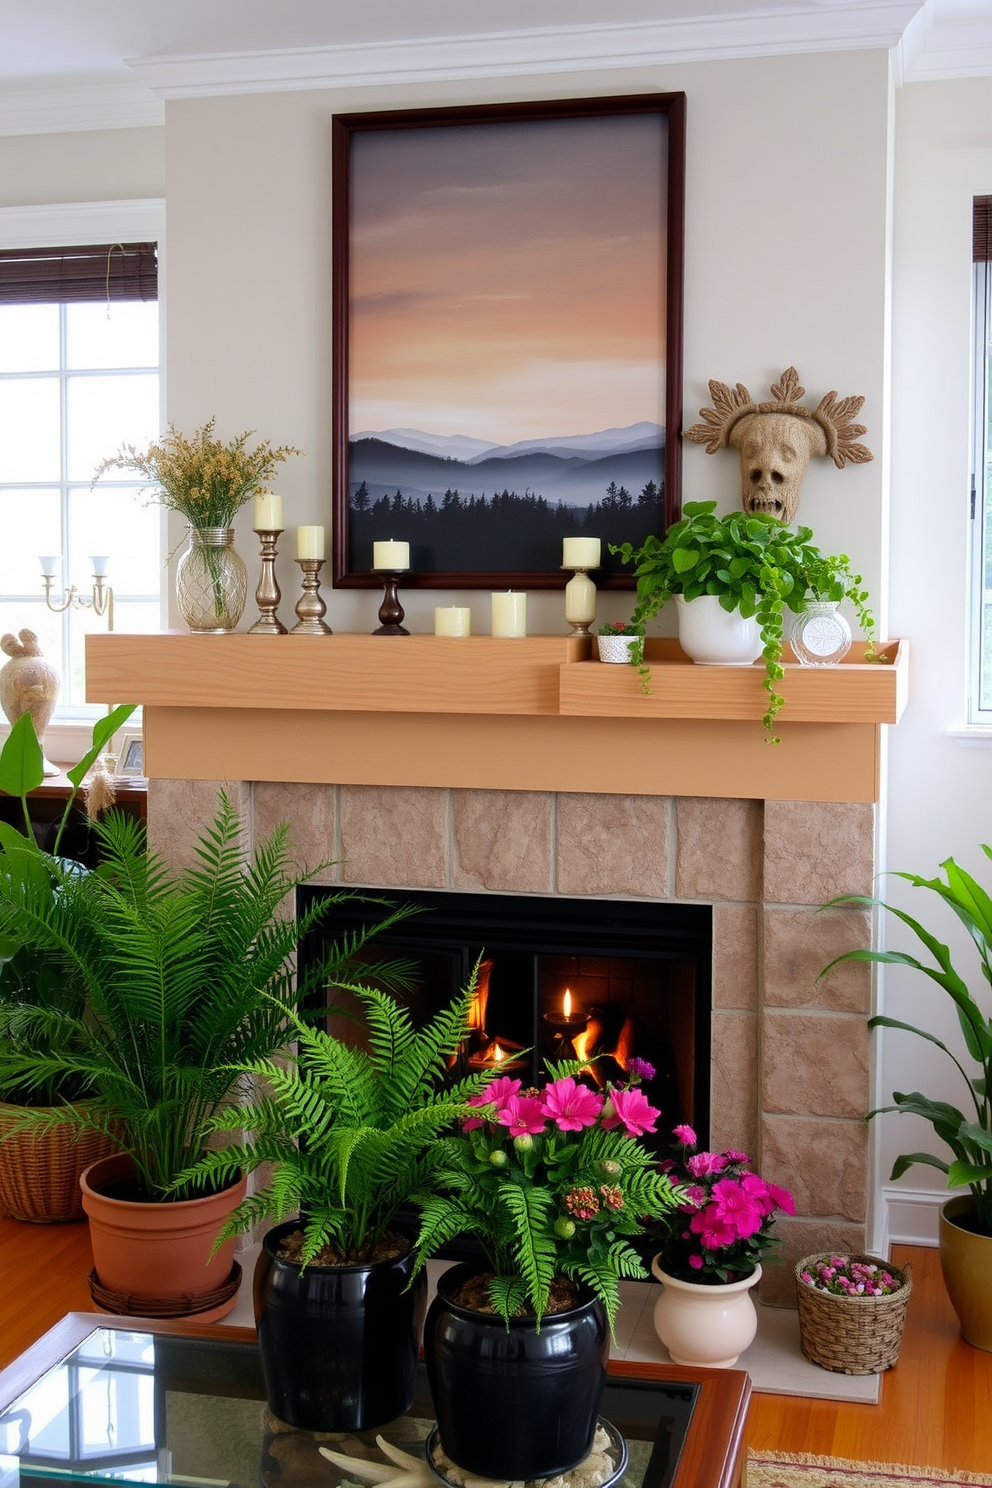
(206, 480)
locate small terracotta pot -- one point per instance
(156, 1250)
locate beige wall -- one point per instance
(103, 165)
(786, 264)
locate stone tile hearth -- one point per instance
(789, 1055)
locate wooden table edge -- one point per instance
(720, 1413)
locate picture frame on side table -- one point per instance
(507, 342)
(130, 755)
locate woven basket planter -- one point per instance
(39, 1173)
(852, 1335)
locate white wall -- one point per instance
(939, 794)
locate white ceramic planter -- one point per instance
(713, 636)
(705, 1326)
(615, 648)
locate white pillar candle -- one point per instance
(390, 555)
(309, 542)
(580, 600)
(452, 620)
(509, 614)
(581, 552)
(268, 512)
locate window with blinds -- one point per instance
(79, 377)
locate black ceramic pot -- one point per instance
(339, 1344)
(514, 1403)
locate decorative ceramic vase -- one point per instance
(28, 684)
(513, 1402)
(705, 1326)
(966, 1263)
(712, 636)
(211, 581)
(615, 647)
(155, 1258)
(820, 636)
(338, 1344)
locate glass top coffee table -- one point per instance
(172, 1403)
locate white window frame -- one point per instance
(58, 225)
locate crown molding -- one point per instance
(68, 105)
(774, 31)
(60, 224)
(940, 43)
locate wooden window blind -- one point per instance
(101, 272)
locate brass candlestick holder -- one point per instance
(310, 608)
(268, 593)
(391, 612)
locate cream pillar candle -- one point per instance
(509, 614)
(581, 552)
(390, 555)
(309, 542)
(452, 620)
(268, 512)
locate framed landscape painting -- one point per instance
(507, 336)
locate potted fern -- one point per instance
(349, 1135)
(181, 975)
(555, 1187)
(40, 1170)
(747, 568)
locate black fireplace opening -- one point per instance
(559, 978)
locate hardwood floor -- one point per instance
(935, 1408)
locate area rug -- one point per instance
(788, 1470)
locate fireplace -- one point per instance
(787, 1063)
(557, 978)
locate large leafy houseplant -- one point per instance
(350, 1134)
(35, 979)
(184, 975)
(553, 1183)
(968, 1136)
(752, 563)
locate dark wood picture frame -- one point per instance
(657, 504)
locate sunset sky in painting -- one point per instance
(507, 280)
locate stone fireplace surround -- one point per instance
(789, 1054)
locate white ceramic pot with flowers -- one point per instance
(555, 1186)
(616, 640)
(711, 1252)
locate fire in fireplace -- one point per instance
(601, 980)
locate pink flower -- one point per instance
(633, 1111)
(705, 1162)
(737, 1208)
(640, 1069)
(501, 1089)
(496, 1093)
(713, 1229)
(694, 1197)
(736, 1157)
(782, 1198)
(582, 1203)
(686, 1135)
(612, 1195)
(522, 1114)
(696, 1262)
(570, 1105)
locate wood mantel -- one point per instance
(491, 713)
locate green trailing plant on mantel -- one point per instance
(754, 564)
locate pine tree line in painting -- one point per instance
(504, 531)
